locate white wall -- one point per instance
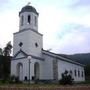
(14, 68)
(48, 67)
(25, 63)
(28, 38)
(62, 66)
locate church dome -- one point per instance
(28, 8)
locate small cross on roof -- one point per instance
(28, 3)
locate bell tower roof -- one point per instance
(28, 8)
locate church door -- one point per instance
(36, 70)
(20, 71)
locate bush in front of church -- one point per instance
(14, 79)
(66, 78)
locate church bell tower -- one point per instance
(28, 18)
(28, 39)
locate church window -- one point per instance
(36, 44)
(29, 19)
(35, 20)
(20, 44)
(36, 70)
(19, 70)
(75, 73)
(21, 20)
(82, 74)
(71, 72)
(25, 78)
(33, 78)
(78, 73)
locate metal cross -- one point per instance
(28, 3)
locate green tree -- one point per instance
(87, 71)
(6, 60)
(7, 49)
(1, 52)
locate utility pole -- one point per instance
(29, 58)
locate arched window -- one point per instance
(75, 72)
(22, 20)
(78, 73)
(19, 69)
(36, 44)
(36, 70)
(29, 19)
(71, 72)
(82, 74)
(35, 21)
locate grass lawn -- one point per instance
(41, 85)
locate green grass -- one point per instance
(41, 85)
(86, 82)
(32, 85)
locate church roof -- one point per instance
(21, 54)
(28, 8)
(61, 57)
(20, 51)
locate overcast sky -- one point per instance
(65, 24)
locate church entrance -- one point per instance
(20, 71)
(36, 70)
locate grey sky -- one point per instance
(65, 24)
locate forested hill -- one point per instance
(82, 58)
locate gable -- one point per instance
(20, 54)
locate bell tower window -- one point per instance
(35, 21)
(21, 20)
(29, 19)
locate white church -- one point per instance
(30, 61)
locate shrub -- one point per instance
(66, 78)
(14, 79)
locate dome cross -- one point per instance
(28, 3)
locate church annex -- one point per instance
(30, 60)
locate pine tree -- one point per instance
(6, 61)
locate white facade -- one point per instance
(42, 65)
(62, 65)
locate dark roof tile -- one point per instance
(28, 8)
